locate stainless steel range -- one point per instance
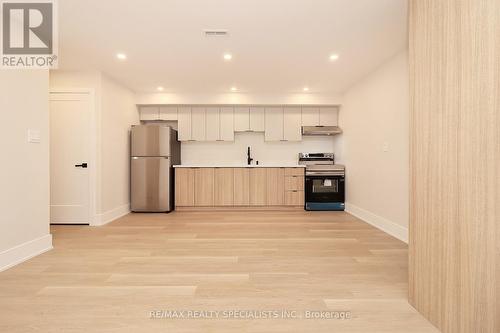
(324, 182)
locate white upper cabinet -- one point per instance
(292, 121)
(168, 113)
(242, 119)
(226, 130)
(249, 119)
(328, 116)
(283, 124)
(218, 123)
(184, 124)
(310, 116)
(274, 124)
(149, 113)
(205, 123)
(212, 123)
(198, 124)
(257, 119)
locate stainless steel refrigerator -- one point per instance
(154, 152)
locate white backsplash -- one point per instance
(231, 153)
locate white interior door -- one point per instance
(70, 116)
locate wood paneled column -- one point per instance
(455, 163)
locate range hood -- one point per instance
(321, 130)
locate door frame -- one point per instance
(92, 126)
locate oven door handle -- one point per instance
(326, 174)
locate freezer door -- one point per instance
(151, 180)
(150, 140)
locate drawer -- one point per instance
(294, 198)
(294, 172)
(294, 183)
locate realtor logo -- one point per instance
(29, 38)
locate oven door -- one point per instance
(325, 192)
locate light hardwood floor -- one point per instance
(109, 279)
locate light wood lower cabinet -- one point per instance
(258, 189)
(294, 187)
(275, 186)
(224, 187)
(294, 183)
(294, 198)
(239, 187)
(204, 187)
(184, 187)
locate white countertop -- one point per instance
(282, 165)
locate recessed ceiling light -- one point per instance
(306, 89)
(228, 56)
(121, 56)
(159, 88)
(334, 57)
(234, 88)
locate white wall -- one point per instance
(118, 113)
(24, 195)
(115, 113)
(231, 153)
(376, 113)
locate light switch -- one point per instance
(33, 136)
(385, 147)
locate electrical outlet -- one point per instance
(385, 147)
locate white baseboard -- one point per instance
(25, 251)
(111, 215)
(379, 222)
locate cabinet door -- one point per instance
(257, 119)
(294, 198)
(294, 183)
(226, 129)
(204, 187)
(292, 119)
(328, 116)
(149, 113)
(241, 186)
(274, 124)
(198, 124)
(184, 187)
(258, 186)
(310, 116)
(241, 119)
(295, 171)
(275, 186)
(212, 123)
(184, 124)
(223, 186)
(168, 113)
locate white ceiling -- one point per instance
(278, 46)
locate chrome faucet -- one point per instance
(249, 159)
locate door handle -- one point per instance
(83, 165)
